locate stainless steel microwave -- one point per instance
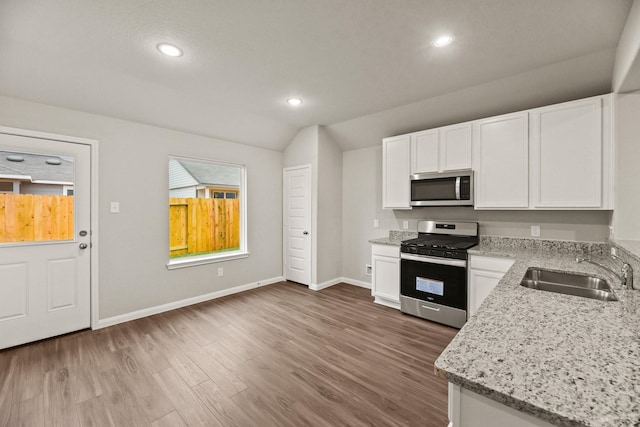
(442, 188)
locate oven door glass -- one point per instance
(440, 284)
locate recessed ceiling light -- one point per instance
(294, 101)
(169, 49)
(442, 41)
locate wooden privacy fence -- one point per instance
(198, 225)
(35, 217)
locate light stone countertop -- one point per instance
(395, 238)
(569, 360)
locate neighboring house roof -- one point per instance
(210, 174)
(36, 168)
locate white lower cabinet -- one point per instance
(484, 275)
(385, 284)
(469, 409)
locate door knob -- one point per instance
(305, 233)
(83, 246)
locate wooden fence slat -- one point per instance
(26, 219)
(199, 225)
(3, 233)
(12, 217)
(35, 217)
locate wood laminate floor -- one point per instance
(280, 355)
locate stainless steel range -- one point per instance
(433, 271)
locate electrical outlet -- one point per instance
(367, 270)
(115, 207)
(376, 223)
(220, 272)
(535, 231)
(405, 225)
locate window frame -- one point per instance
(243, 252)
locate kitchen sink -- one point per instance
(568, 283)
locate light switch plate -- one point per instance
(115, 207)
(376, 223)
(535, 231)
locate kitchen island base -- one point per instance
(469, 409)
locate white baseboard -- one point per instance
(337, 280)
(110, 321)
(325, 285)
(387, 303)
(355, 282)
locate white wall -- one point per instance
(626, 71)
(314, 146)
(134, 243)
(362, 203)
(329, 211)
(303, 150)
(506, 95)
(626, 217)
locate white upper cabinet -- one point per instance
(455, 147)
(556, 157)
(395, 172)
(501, 161)
(443, 149)
(568, 147)
(425, 151)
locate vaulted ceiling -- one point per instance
(244, 58)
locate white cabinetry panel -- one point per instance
(469, 409)
(385, 284)
(425, 151)
(566, 155)
(455, 147)
(442, 149)
(484, 275)
(502, 161)
(395, 172)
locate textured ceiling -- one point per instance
(244, 58)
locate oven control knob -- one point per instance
(448, 254)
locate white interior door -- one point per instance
(45, 246)
(297, 224)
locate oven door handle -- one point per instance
(433, 260)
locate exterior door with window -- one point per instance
(297, 224)
(45, 246)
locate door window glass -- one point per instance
(36, 197)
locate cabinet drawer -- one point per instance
(386, 250)
(490, 263)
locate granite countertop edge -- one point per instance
(474, 359)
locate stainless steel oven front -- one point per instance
(434, 288)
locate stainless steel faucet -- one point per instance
(626, 273)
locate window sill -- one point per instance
(204, 259)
